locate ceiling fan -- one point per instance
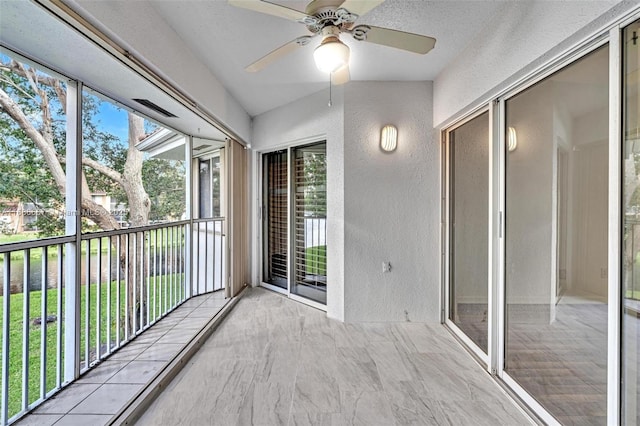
(329, 19)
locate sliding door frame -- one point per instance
(447, 200)
(289, 147)
(262, 242)
(494, 360)
(614, 176)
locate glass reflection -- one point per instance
(469, 177)
(556, 241)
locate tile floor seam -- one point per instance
(105, 381)
(79, 402)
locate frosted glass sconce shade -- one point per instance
(512, 139)
(389, 138)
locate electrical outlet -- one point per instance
(386, 266)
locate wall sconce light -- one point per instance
(389, 138)
(512, 139)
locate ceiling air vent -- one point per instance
(156, 108)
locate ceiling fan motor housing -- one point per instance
(330, 16)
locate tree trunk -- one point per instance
(139, 206)
(130, 180)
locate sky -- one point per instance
(113, 120)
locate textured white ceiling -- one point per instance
(227, 39)
(25, 27)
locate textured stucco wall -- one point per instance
(391, 204)
(154, 41)
(524, 35)
(382, 207)
(309, 119)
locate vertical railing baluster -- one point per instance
(142, 308)
(160, 275)
(126, 287)
(6, 327)
(177, 270)
(25, 328)
(216, 252)
(206, 256)
(87, 314)
(165, 237)
(170, 275)
(109, 277)
(98, 297)
(134, 285)
(59, 319)
(182, 282)
(176, 278)
(223, 253)
(43, 324)
(147, 241)
(155, 274)
(118, 285)
(197, 259)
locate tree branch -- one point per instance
(100, 168)
(16, 68)
(98, 214)
(46, 147)
(105, 170)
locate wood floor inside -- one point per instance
(562, 363)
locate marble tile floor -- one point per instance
(102, 392)
(274, 361)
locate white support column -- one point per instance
(73, 227)
(189, 250)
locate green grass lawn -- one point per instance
(632, 294)
(16, 331)
(316, 260)
(36, 254)
(52, 251)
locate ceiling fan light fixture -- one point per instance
(331, 55)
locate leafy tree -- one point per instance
(33, 149)
(315, 179)
(164, 180)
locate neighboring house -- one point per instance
(11, 217)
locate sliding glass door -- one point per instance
(556, 236)
(294, 221)
(541, 254)
(275, 218)
(310, 222)
(468, 146)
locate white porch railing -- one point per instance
(125, 281)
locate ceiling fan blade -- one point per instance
(360, 7)
(272, 9)
(341, 76)
(393, 38)
(278, 53)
